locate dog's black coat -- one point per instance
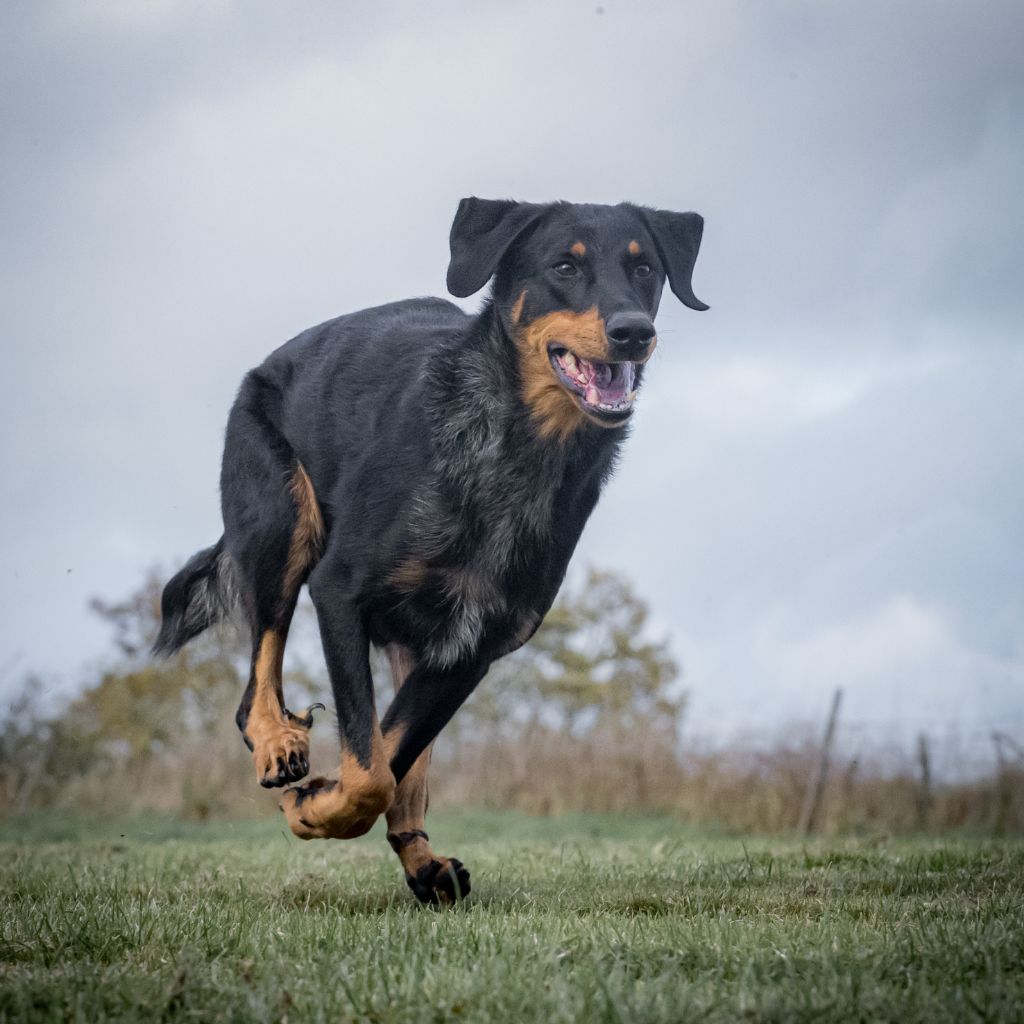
(449, 516)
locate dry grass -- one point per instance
(743, 789)
(545, 772)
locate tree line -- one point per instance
(590, 668)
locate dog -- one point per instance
(427, 474)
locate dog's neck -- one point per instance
(499, 495)
(488, 443)
(478, 412)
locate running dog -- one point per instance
(427, 474)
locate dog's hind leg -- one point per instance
(278, 739)
(348, 806)
(433, 879)
(274, 533)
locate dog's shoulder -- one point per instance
(356, 383)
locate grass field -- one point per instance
(574, 919)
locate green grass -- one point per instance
(573, 919)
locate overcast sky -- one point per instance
(824, 485)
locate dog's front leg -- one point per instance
(432, 878)
(426, 699)
(345, 807)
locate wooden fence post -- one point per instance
(924, 789)
(816, 783)
(1004, 782)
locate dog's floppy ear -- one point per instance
(677, 236)
(481, 234)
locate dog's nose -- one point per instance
(629, 335)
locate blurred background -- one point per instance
(823, 489)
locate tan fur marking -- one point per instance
(633, 248)
(408, 812)
(578, 249)
(307, 542)
(517, 309)
(272, 736)
(346, 807)
(470, 586)
(408, 576)
(554, 409)
(401, 663)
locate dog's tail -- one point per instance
(200, 595)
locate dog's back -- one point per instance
(344, 380)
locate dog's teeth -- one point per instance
(631, 396)
(569, 360)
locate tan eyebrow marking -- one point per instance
(633, 248)
(578, 249)
(517, 309)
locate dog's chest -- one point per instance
(483, 593)
(495, 539)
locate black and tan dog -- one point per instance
(428, 474)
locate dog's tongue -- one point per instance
(609, 384)
(603, 374)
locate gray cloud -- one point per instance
(824, 480)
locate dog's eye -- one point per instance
(642, 270)
(565, 269)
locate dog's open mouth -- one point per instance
(606, 390)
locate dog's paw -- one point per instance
(283, 757)
(280, 747)
(323, 809)
(440, 882)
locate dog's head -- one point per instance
(577, 288)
